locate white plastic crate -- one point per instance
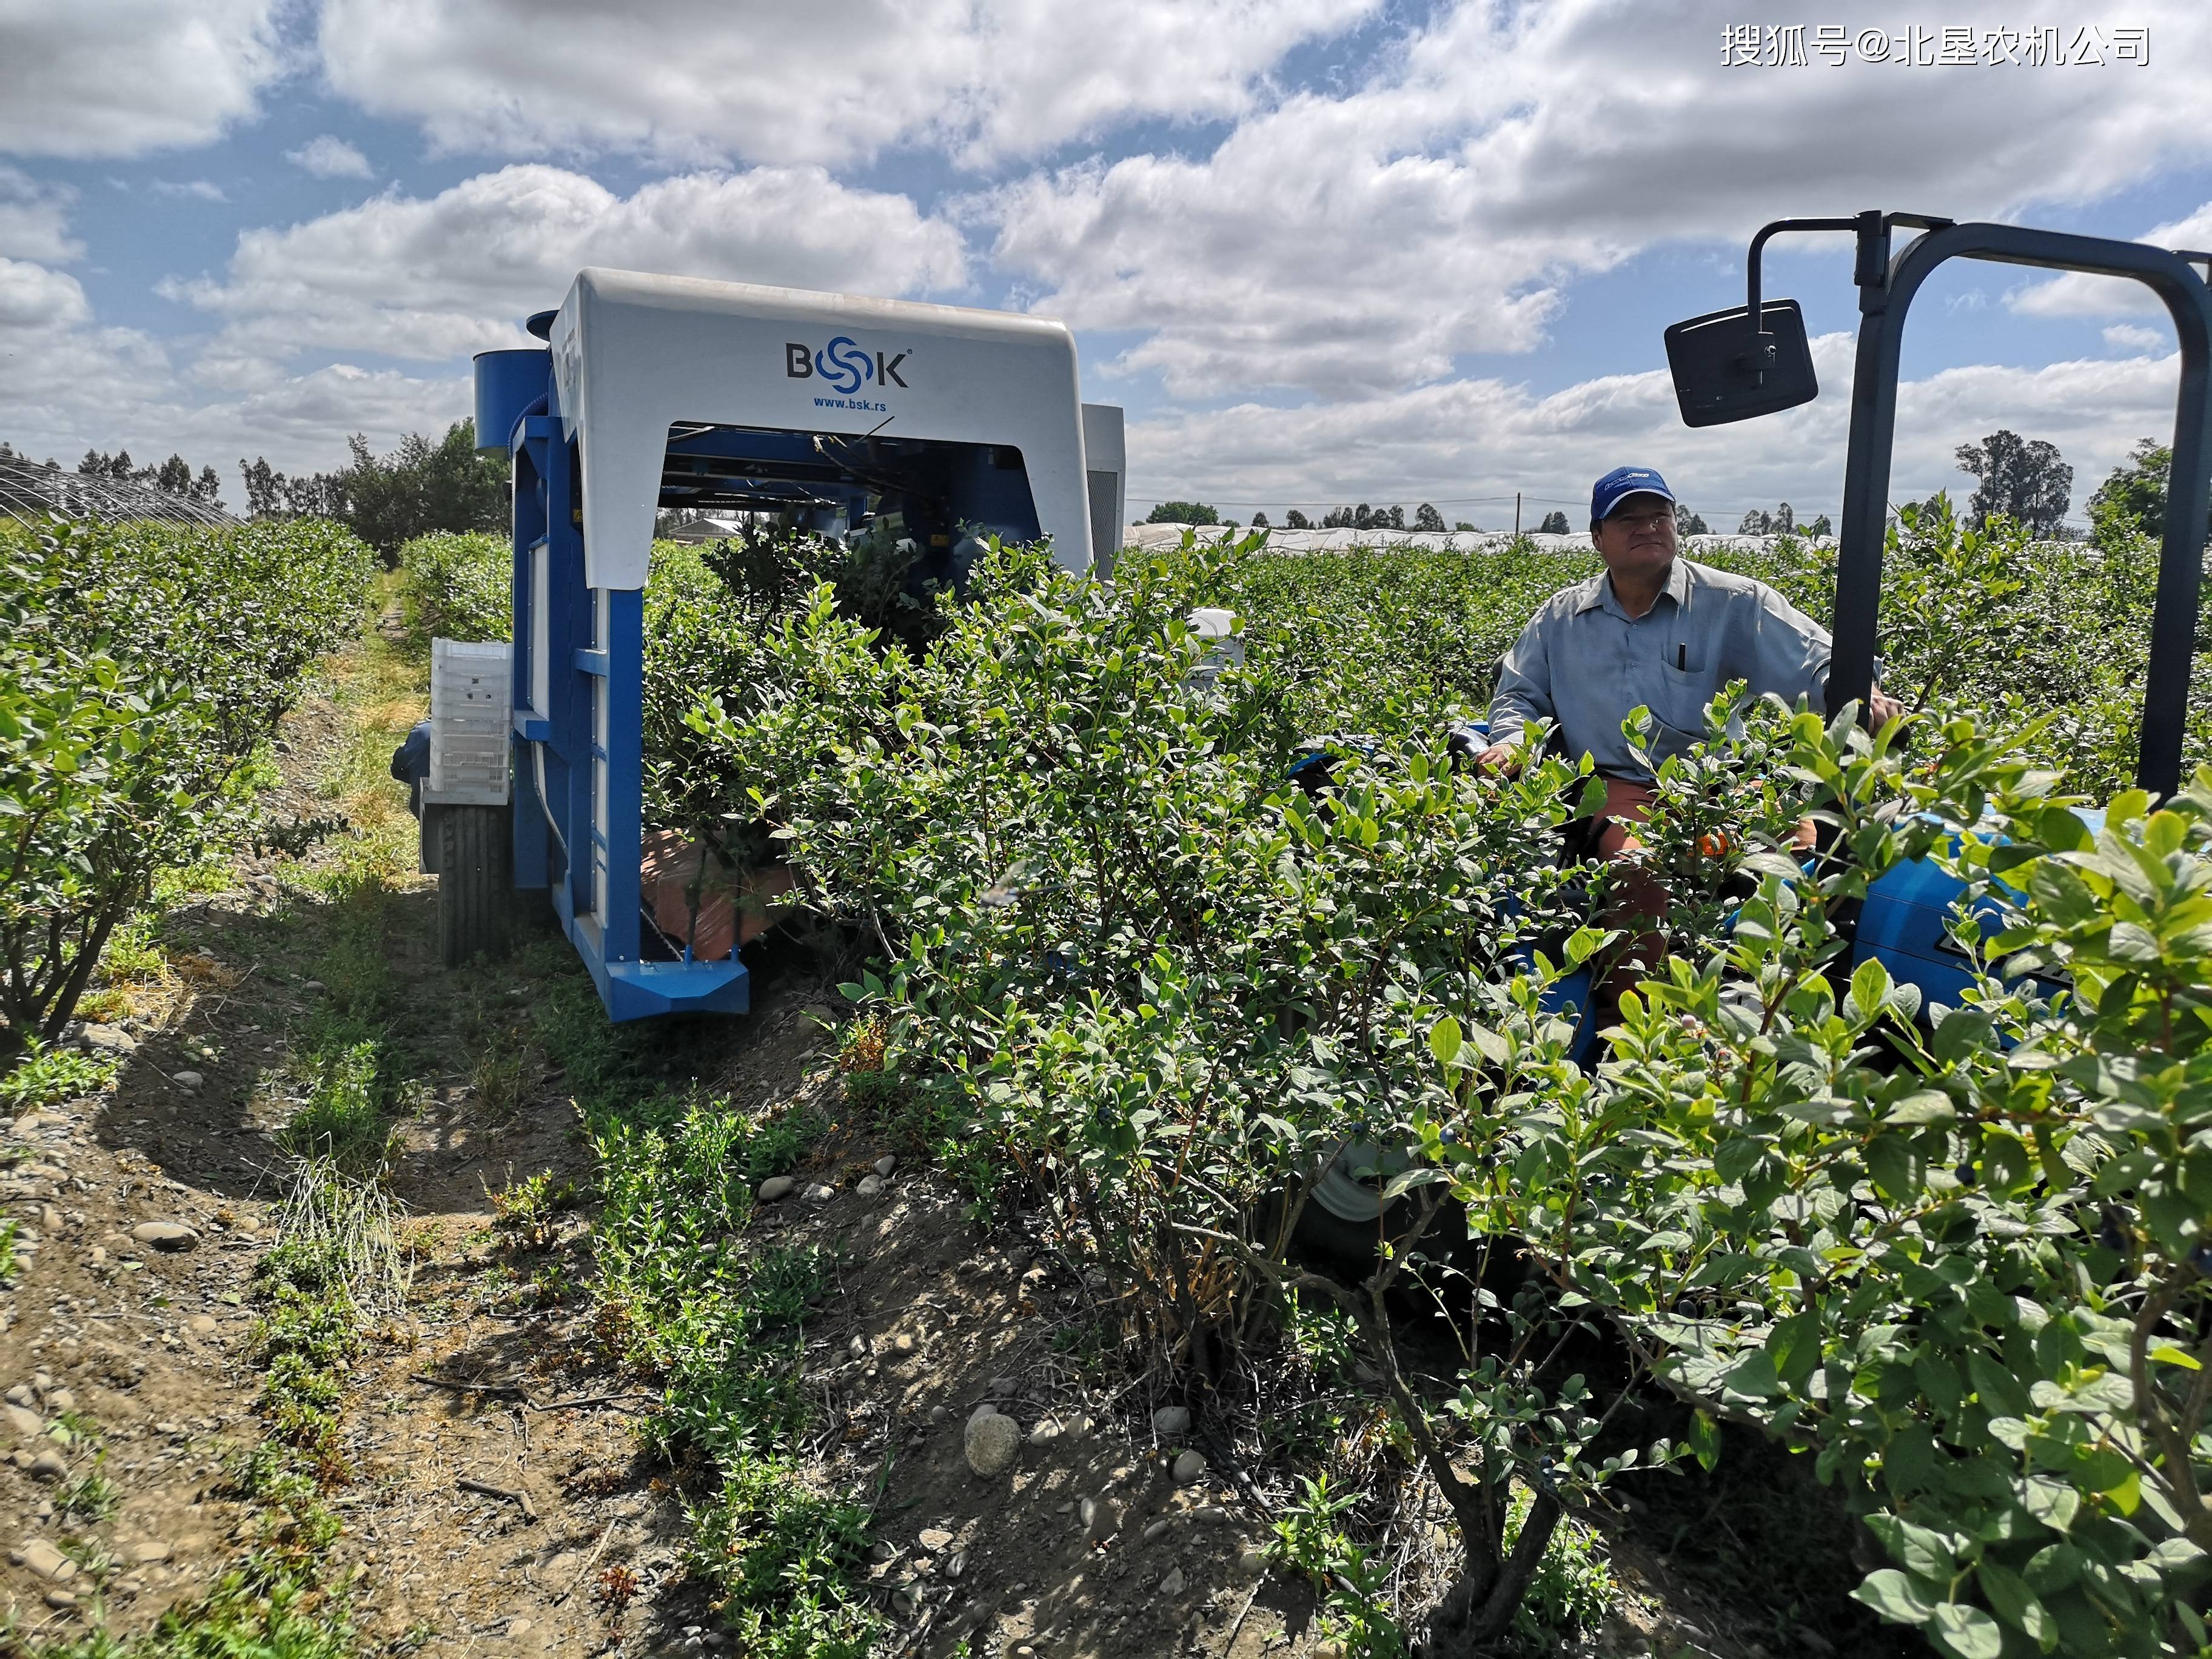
(469, 711)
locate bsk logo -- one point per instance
(843, 364)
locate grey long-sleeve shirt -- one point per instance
(1584, 663)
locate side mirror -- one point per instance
(1723, 370)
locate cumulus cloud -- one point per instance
(1456, 442)
(196, 190)
(34, 220)
(434, 278)
(123, 77)
(1357, 242)
(330, 157)
(73, 385)
(827, 83)
(2133, 336)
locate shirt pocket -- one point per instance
(1688, 684)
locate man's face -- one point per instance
(1637, 538)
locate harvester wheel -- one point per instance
(475, 899)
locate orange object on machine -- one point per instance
(735, 907)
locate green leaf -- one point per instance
(1444, 1040)
(1895, 1597)
(1870, 988)
(1705, 1439)
(1966, 1631)
(2015, 1603)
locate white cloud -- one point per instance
(32, 296)
(198, 189)
(1462, 439)
(34, 220)
(2076, 295)
(2131, 337)
(73, 386)
(1357, 243)
(123, 77)
(432, 278)
(330, 157)
(829, 82)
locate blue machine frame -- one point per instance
(579, 719)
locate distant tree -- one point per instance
(1554, 524)
(1820, 527)
(1396, 520)
(1427, 518)
(2133, 498)
(2021, 477)
(1755, 523)
(1687, 523)
(175, 476)
(1295, 520)
(1462, 525)
(93, 466)
(1182, 513)
(1258, 521)
(1784, 520)
(1338, 518)
(207, 488)
(419, 488)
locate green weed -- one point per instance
(784, 1555)
(342, 1121)
(46, 1076)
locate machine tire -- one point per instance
(476, 883)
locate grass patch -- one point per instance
(343, 1121)
(47, 1076)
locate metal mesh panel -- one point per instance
(31, 493)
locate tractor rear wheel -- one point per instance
(476, 883)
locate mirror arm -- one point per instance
(1758, 318)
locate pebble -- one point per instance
(987, 1409)
(48, 1465)
(165, 1235)
(61, 1400)
(819, 1193)
(1252, 1560)
(774, 1187)
(146, 1554)
(520, 1626)
(1171, 1422)
(39, 1556)
(1158, 1530)
(882, 1550)
(956, 1563)
(1047, 1433)
(42, 1381)
(23, 1423)
(1189, 1467)
(201, 1325)
(903, 1342)
(108, 1040)
(562, 1566)
(1004, 1385)
(885, 1164)
(311, 985)
(906, 1600)
(20, 1394)
(1172, 1584)
(61, 1600)
(857, 1347)
(938, 1413)
(991, 1443)
(869, 1187)
(1087, 1513)
(933, 1539)
(100, 1255)
(186, 1079)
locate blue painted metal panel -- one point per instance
(506, 384)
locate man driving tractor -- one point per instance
(1654, 630)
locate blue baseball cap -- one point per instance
(1618, 485)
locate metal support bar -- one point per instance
(1882, 308)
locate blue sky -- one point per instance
(1322, 250)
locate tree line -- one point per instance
(385, 499)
